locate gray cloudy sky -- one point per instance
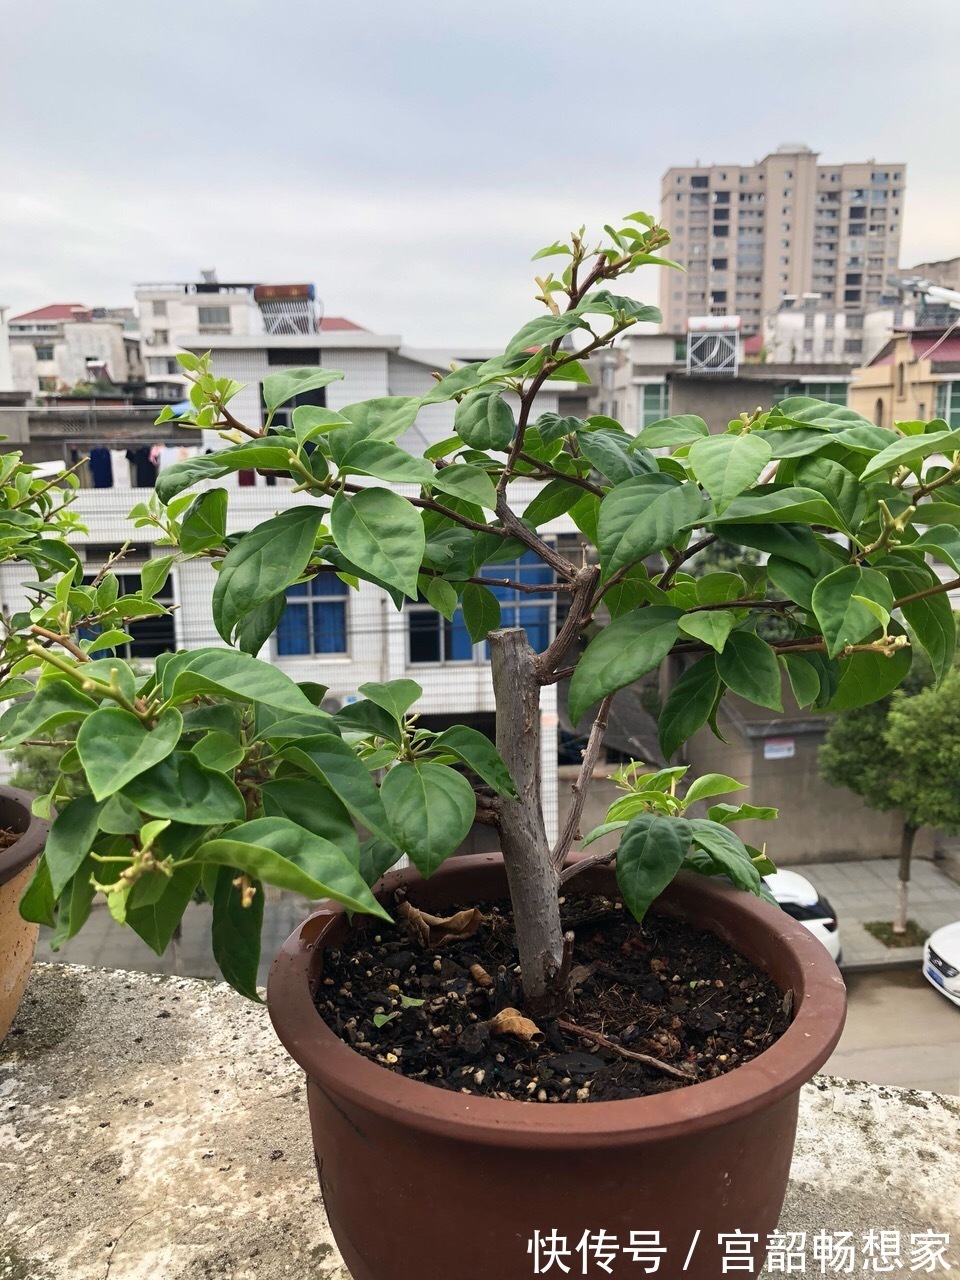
(408, 158)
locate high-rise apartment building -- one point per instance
(751, 235)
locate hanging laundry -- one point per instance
(155, 453)
(144, 470)
(121, 469)
(81, 472)
(101, 468)
(246, 479)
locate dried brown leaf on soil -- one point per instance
(434, 931)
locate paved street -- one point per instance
(899, 1031)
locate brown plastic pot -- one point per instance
(18, 937)
(424, 1184)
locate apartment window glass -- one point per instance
(719, 264)
(161, 337)
(679, 352)
(159, 308)
(315, 619)
(44, 353)
(283, 417)
(433, 638)
(948, 403)
(150, 636)
(213, 318)
(700, 182)
(721, 197)
(656, 400)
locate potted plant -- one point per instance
(221, 771)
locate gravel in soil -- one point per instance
(680, 1000)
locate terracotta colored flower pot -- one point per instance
(424, 1184)
(18, 937)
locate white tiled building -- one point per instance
(329, 634)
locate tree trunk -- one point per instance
(531, 875)
(903, 878)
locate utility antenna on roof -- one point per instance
(209, 276)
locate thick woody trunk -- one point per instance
(903, 878)
(531, 875)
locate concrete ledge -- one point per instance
(153, 1128)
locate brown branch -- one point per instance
(546, 472)
(682, 557)
(64, 641)
(237, 426)
(583, 586)
(584, 864)
(930, 591)
(579, 788)
(743, 604)
(596, 1038)
(428, 504)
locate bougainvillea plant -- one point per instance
(219, 770)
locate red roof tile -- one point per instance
(331, 323)
(753, 345)
(58, 311)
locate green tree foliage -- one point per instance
(923, 735)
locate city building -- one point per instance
(6, 366)
(914, 377)
(945, 273)
(648, 376)
(749, 235)
(58, 347)
(807, 330)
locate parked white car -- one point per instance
(799, 899)
(941, 961)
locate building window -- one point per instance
(150, 636)
(901, 381)
(832, 392)
(948, 403)
(160, 365)
(47, 384)
(44, 353)
(721, 197)
(283, 417)
(213, 319)
(853, 346)
(656, 400)
(159, 308)
(679, 351)
(315, 619)
(434, 639)
(699, 182)
(161, 337)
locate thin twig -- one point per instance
(596, 1038)
(591, 752)
(930, 591)
(64, 641)
(584, 864)
(583, 587)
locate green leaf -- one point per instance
(804, 678)
(727, 813)
(376, 859)
(651, 853)
(226, 673)
(481, 611)
(844, 619)
(329, 758)
(431, 810)
(441, 596)
(467, 482)
(934, 624)
(313, 805)
(749, 667)
(484, 420)
(386, 461)
(70, 839)
(183, 788)
(543, 331)
(689, 704)
(909, 450)
(477, 752)
(384, 418)
(775, 504)
(613, 454)
(604, 303)
(278, 388)
(256, 627)
(155, 922)
(55, 703)
(382, 532)
(554, 499)
(267, 560)
(37, 903)
(941, 541)
(728, 851)
(621, 653)
(118, 816)
(454, 384)
(794, 542)
(235, 933)
(114, 747)
(710, 626)
(644, 515)
(868, 677)
(712, 784)
(204, 524)
(726, 465)
(551, 426)
(283, 854)
(311, 421)
(585, 514)
(840, 487)
(671, 433)
(396, 696)
(75, 903)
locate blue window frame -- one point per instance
(315, 619)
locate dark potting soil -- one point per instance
(682, 1002)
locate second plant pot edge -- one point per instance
(800, 965)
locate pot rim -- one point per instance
(819, 1011)
(16, 811)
